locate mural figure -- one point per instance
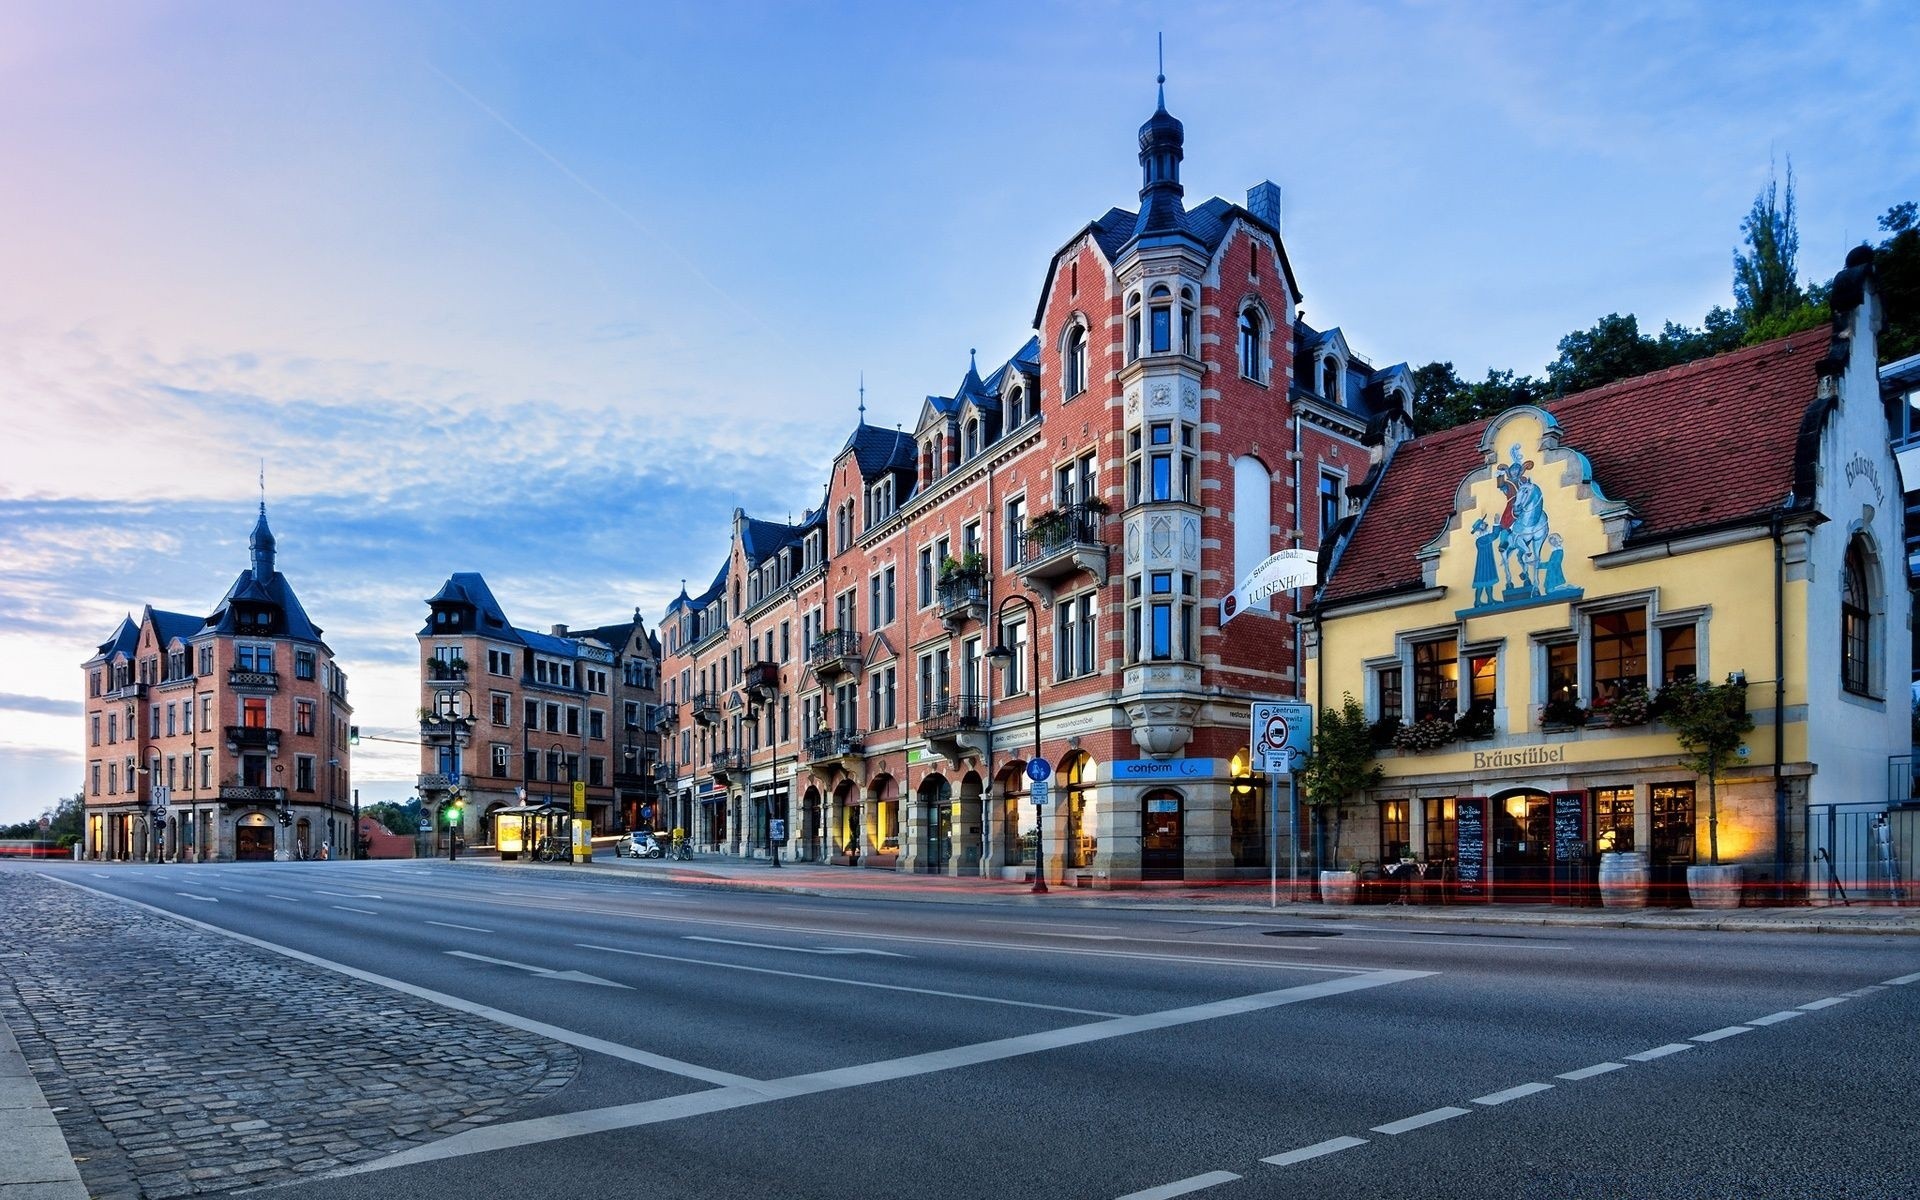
(1485, 572)
(1554, 576)
(1523, 526)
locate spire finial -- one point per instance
(863, 397)
(1160, 41)
(263, 487)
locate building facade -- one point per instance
(1089, 504)
(513, 718)
(1519, 601)
(219, 738)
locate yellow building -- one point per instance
(1514, 595)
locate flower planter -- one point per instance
(1339, 887)
(1714, 887)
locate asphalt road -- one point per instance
(744, 1045)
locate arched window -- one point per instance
(1016, 408)
(1076, 360)
(971, 445)
(1133, 326)
(1330, 379)
(1251, 340)
(1160, 320)
(1856, 622)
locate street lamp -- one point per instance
(1002, 656)
(555, 754)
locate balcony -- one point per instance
(762, 679)
(127, 691)
(955, 726)
(440, 673)
(728, 763)
(438, 728)
(634, 781)
(663, 715)
(253, 737)
(435, 782)
(963, 596)
(262, 796)
(1061, 544)
(834, 653)
(829, 745)
(253, 681)
(706, 708)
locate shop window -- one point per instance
(1672, 816)
(1439, 826)
(1436, 679)
(1612, 820)
(1394, 845)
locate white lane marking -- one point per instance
(1512, 1093)
(101, 874)
(1317, 1150)
(1048, 924)
(544, 972)
(1658, 1052)
(1720, 1034)
(507, 1135)
(1181, 1187)
(363, 911)
(1432, 1116)
(1904, 980)
(236, 891)
(347, 895)
(1101, 937)
(793, 949)
(486, 1012)
(1869, 990)
(889, 987)
(1776, 1018)
(1595, 1069)
(451, 925)
(278, 896)
(191, 896)
(1829, 1002)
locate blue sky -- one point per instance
(544, 291)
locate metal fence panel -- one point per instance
(1857, 855)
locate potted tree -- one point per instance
(1341, 768)
(1710, 721)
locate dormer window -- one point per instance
(1016, 408)
(1330, 379)
(1160, 320)
(970, 446)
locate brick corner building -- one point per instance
(219, 738)
(1089, 504)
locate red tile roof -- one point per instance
(1704, 444)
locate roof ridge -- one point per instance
(1724, 359)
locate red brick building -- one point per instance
(1090, 502)
(222, 737)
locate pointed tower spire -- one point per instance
(1162, 146)
(262, 545)
(863, 397)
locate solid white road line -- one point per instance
(1595, 1069)
(1829, 1002)
(191, 896)
(1904, 980)
(1513, 1093)
(793, 949)
(451, 925)
(1432, 1116)
(1317, 1150)
(507, 1135)
(347, 895)
(889, 987)
(1658, 1052)
(582, 1041)
(1776, 1018)
(1719, 1034)
(363, 911)
(1181, 1187)
(543, 972)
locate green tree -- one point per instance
(1442, 399)
(1711, 720)
(1896, 263)
(1765, 277)
(1613, 349)
(395, 818)
(63, 822)
(1342, 765)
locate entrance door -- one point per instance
(1522, 847)
(1161, 835)
(253, 843)
(939, 838)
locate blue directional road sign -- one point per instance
(1039, 770)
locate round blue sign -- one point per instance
(1039, 769)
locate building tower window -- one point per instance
(1251, 338)
(1076, 360)
(1856, 623)
(1133, 327)
(1160, 320)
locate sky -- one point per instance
(545, 290)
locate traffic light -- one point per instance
(286, 817)
(159, 819)
(353, 734)
(451, 813)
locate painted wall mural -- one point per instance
(1519, 558)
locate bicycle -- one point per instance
(683, 850)
(554, 850)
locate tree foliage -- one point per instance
(63, 822)
(1897, 264)
(1441, 399)
(1765, 278)
(1711, 720)
(395, 818)
(1342, 765)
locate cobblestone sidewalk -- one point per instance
(180, 1062)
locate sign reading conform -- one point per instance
(1280, 572)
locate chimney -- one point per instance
(1263, 201)
(559, 631)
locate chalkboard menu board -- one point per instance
(1470, 834)
(1569, 825)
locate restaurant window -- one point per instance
(1388, 700)
(1394, 845)
(1563, 673)
(1672, 817)
(1483, 685)
(1619, 652)
(1439, 826)
(1612, 820)
(1679, 653)
(1436, 679)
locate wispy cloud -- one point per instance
(41, 705)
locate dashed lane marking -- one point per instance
(1432, 1116)
(1829, 1002)
(1658, 1052)
(1721, 1034)
(889, 987)
(1904, 980)
(362, 911)
(1590, 1072)
(1317, 1150)
(1513, 1093)
(191, 896)
(451, 925)
(1181, 1187)
(1776, 1018)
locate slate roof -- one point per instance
(173, 626)
(468, 587)
(876, 450)
(124, 640)
(1694, 447)
(274, 590)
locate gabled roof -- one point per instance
(876, 450)
(124, 640)
(171, 627)
(1704, 445)
(761, 540)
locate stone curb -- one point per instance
(38, 1164)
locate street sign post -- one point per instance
(1039, 770)
(1281, 732)
(1037, 792)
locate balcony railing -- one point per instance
(254, 681)
(945, 715)
(440, 671)
(253, 737)
(663, 715)
(127, 691)
(762, 678)
(728, 763)
(835, 652)
(636, 781)
(243, 794)
(706, 707)
(963, 596)
(1063, 543)
(436, 782)
(833, 743)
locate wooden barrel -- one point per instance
(1623, 880)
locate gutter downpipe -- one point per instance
(1779, 712)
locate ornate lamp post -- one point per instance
(1002, 656)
